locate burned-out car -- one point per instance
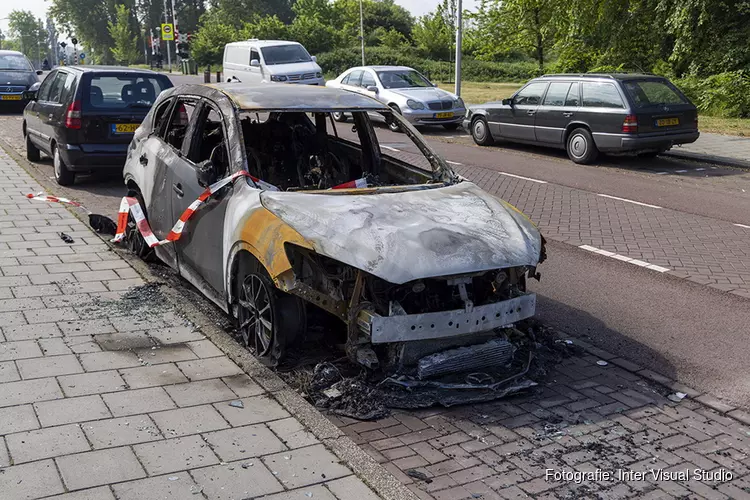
(410, 257)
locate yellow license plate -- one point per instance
(124, 128)
(11, 98)
(444, 115)
(666, 122)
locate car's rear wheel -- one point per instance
(340, 117)
(393, 124)
(269, 320)
(32, 152)
(450, 126)
(63, 175)
(480, 131)
(581, 147)
(134, 240)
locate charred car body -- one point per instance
(417, 261)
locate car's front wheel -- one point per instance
(63, 175)
(480, 131)
(340, 117)
(581, 147)
(269, 319)
(32, 152)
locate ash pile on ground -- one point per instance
(342, 388)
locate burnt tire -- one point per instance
(134, 241)
(32, 152)
(580, 147)
(480, 131)
(269, 320)
(63, 175)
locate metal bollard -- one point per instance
(207, 75)
(218, 76)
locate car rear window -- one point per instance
(645, 93)
(123, 91)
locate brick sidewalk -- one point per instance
(587, 417)
(113, 395)
(727, 149)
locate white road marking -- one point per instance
(390, 148)
(680, 171)
(699, 169)
(453, 162)
(623, 258)
(628, 201)
(742, 225)
(522, 177)
(661, 173)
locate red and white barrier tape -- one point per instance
(359, 183)
(40, 196)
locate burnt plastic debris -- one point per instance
(102, 224)
(66, 238)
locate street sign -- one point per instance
(183, 37)
(82, 56)
(167, 31)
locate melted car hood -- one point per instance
(405, 236)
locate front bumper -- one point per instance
(88, 157)
(444, 324)
(656, 142)
(429, 117)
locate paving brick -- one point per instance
(244, 442)
(150, 376)
(19, 350)
(50, 315)
(177, 486)
(49, 366)
(30, 481)
(113, 360)
(138, 401)
(95, 275)
(231, 481)
(165, 354)
(71, 410)
(47, 279)
(101, 493)
(176, 335)
(30, 332)
(243, 386)
(95, 468)
(54, 347)
(91, 383)
(29, 391)
(205, 349)
(8, 372)
(292, 433)
(121, 431)
(190, 420)
(351, 487)
(305, 466)
(17, 419)
(21, 292)
(124, 284)
(86, 327)
(171, 455)
(319, 492)
(256, 410)
(201, 369)
(199, 393)
(46, 443)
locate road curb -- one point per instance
(718, 160)
(363, 465)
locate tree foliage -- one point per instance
(124, 49)
(28, 32)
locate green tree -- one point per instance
(265, 28)
(434, 33)
(208, 45)
(29, 32)
(125, 48)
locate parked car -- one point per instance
(590, 113)
(16, 76)
(405, 255)
(406, 91)
(84, 116)
(264, 61)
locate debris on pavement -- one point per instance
(418, 475)
(66, 238)
(237, 404)
(677, 397)
(602, 363)
(102, 224)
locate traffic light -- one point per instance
(74, 40)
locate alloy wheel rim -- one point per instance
(56, 162)
(256, 315)
(479, 130)
(578, 145)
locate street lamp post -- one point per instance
(362, 31)
(459, 37)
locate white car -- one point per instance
(263, 61)
(406, 91)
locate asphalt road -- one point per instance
(675, 327)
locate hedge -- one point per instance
(726, 95)
(337, 61)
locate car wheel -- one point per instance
(340, 117)
(32, 152)
(63, 175)
(269, 320)
(450, 126)
(393, 124)
(134, 240)
(480, 132)
(581, 147)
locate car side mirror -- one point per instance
(434, 84)
(39, 72)
(206, 173)
(507, 102)
(314, 59)
(32, 92)
(372, 88)
(254, 63)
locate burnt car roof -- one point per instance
(284, 96)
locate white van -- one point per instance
(263, 61)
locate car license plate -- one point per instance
(444, 115)
(124, 128)
(11, 97)
(666, 122)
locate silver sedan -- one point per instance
(406, 91)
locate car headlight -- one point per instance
(459, 103)
(414, 104)
(318, 75)
(278, 78)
